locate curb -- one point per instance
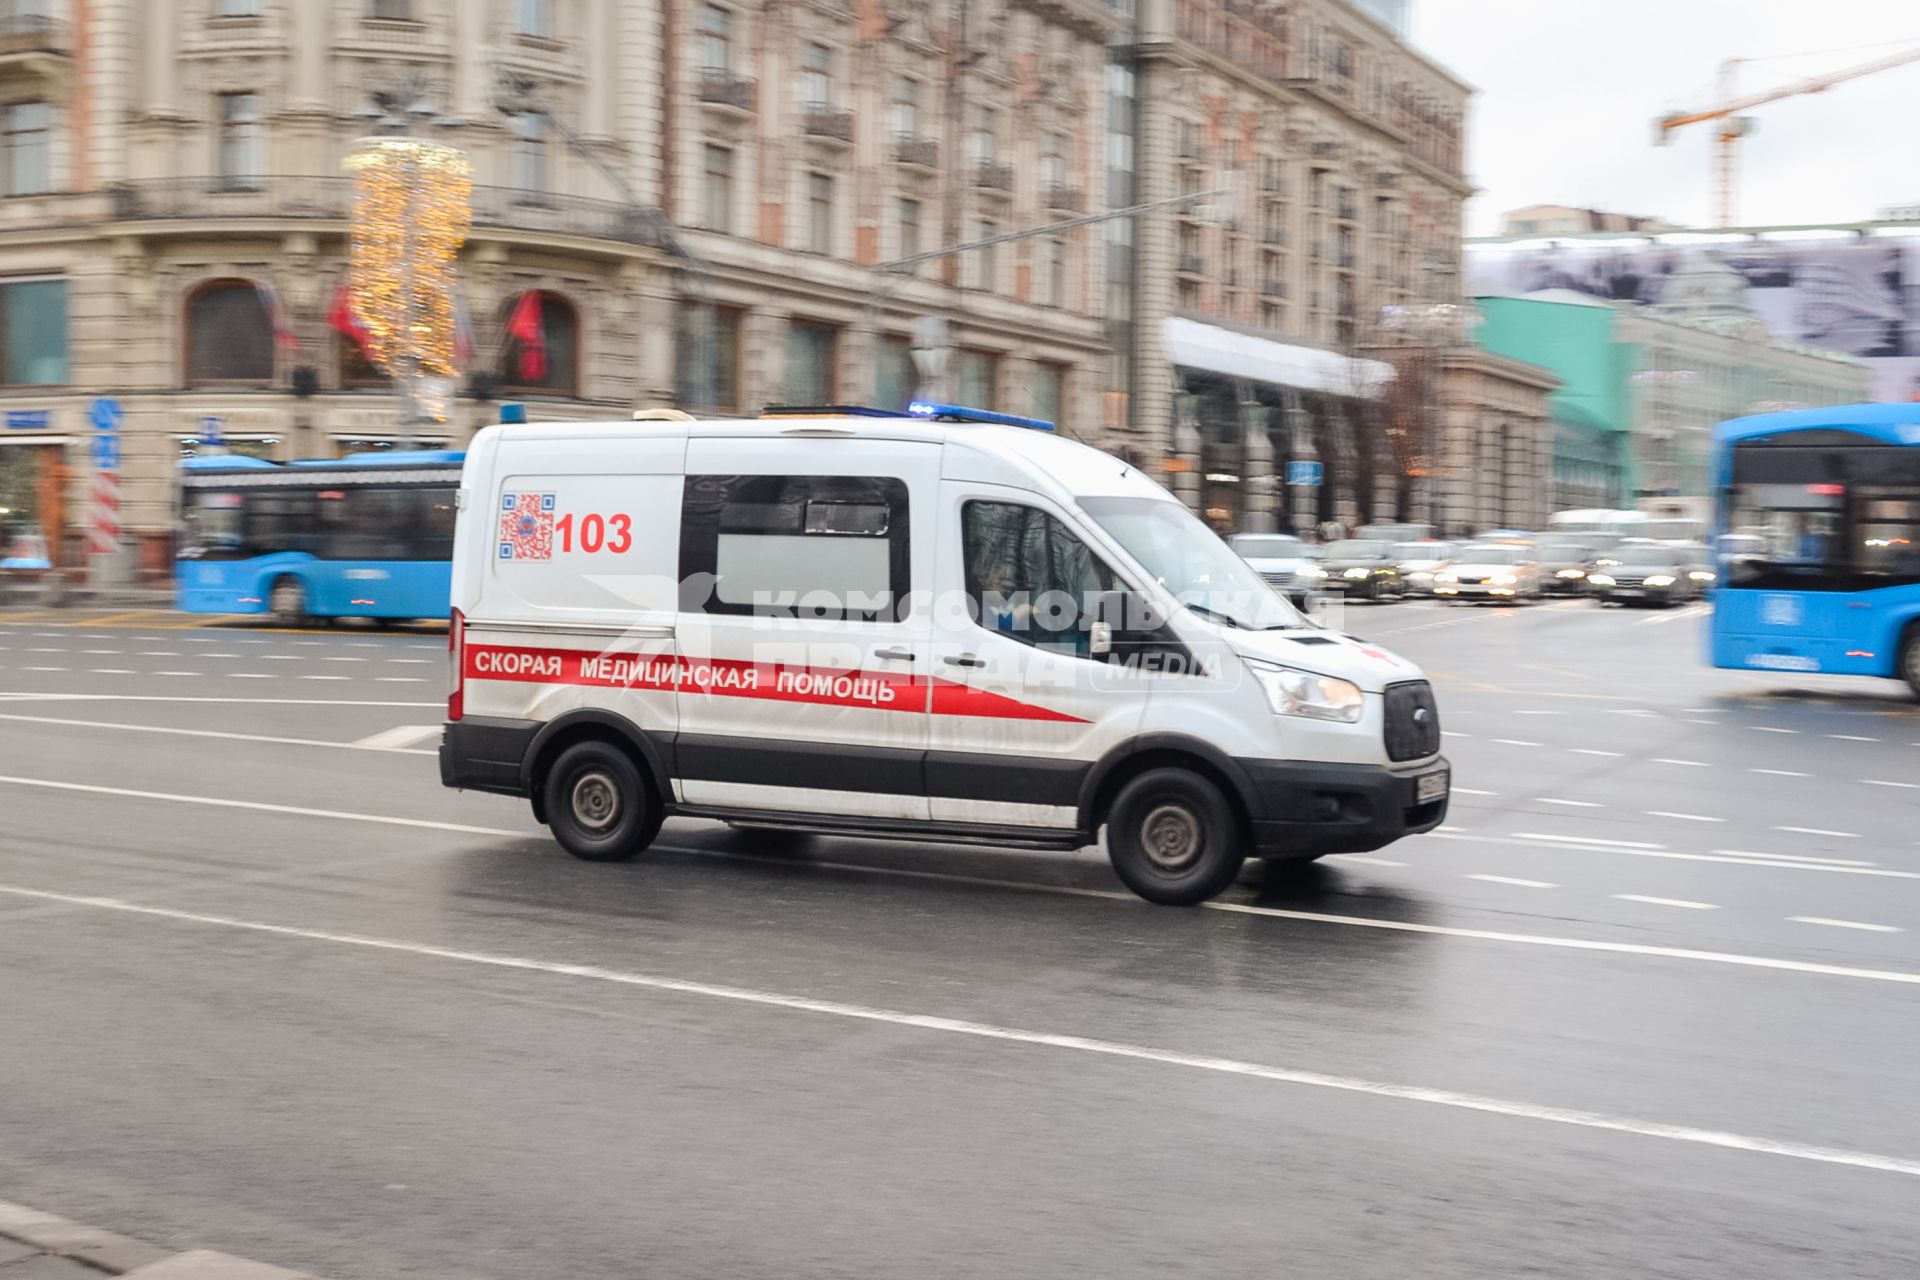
(119, 1255)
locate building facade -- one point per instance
(1644, 385)
(1338, 153)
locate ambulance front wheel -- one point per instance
(598, 806)
(1172, 837)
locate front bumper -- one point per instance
(1303, 810)
(486, 753)
(1475, 591)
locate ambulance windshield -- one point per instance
(1192, 562)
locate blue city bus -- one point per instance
(1817, 530)
(365, 536)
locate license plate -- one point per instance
(1629, 591)
(1430, 786)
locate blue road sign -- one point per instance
(212, 430)
(28, 419)
(1305, 474)
(106, 452)
(105, 413)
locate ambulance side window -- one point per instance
(813, 547)
(1029, 577)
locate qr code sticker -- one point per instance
(526, 526)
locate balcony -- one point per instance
(1066, 199)
(1273, 288)
(721, 88)
(33, 48)
(1190, 264)
(921, 153)
(329, 198)
(992, 175)
(827, 124)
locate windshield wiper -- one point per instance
(1218, 616)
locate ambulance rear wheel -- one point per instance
(598, 806)
(1172, 837)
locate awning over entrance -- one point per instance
(1194, 345)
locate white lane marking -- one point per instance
(99, 652)
(1781, 773)
(1052, 1040)
(47, 650)
(401, 745)
(160, 697)
(202, 640)
(337, 658)
(249, 641)
(420, 662)
(1590, 751)
(1575, 844)
(219, 655)
(1539, 713)
(1905, 786)
(280, 657)
(1683, 817)
(1449, 733)
(1762, 728)
(1365, 861)
(1515, 742)
(405, 735)
(361, 644)
(159, 653)
(326, 677)
(1610, 844)
(176, 673)
(1690, 764)
(110, 671)
(1795, 857)
(1667, 902)
(1846, 924)
(1820, 831)
(1469, 791)
(262, 807)
(1851, 737)
(43, 668)
(251, 675)
(1571, 804)
(399, 679)
(1515, 880)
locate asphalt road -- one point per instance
(1645, 1007)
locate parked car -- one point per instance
(1283, 560)
(1418, 561)
(1656, 573)
(1503, 572)
(1363, 568)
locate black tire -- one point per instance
(1910, 660)
(287, 602)
(598, 806)
(1173, 838)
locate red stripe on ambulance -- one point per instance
(729, 678)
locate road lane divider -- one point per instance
(1627, 848)
(260, 806)
(1093, 1046)
(400, 740)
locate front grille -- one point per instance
(1281, 580)
(1411, 735)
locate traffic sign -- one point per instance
(28, 419)
(106, 452)
(1305, 474)
(212, 430)
(105, 413)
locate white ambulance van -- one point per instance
(933, 628)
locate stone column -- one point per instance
(312, 40)
(601, 40)
(163, 43)
(1261, 486)
(470, 86)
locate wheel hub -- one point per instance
(1170, 835)
(596, 801)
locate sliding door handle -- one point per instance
(894, 655)
(964, 660)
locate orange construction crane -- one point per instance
(1735, 126)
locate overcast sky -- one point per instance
(1568, 93)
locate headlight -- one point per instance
(1419, 576)
(1600, 580)
(1301, 693)
(1505, 579)
(1357, 572)
(1312, 571)
(1660, 580)
(1446, 577)
(1701, 575)
(1573, 573)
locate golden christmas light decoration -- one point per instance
(412, 209)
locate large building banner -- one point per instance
(1860, 296)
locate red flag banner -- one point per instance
(342, 319)
(528, 328)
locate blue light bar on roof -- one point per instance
(960, 413)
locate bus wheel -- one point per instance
(1172, 837)
(598, 806)
(288, 602)
(1910, 660)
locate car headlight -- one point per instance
(1660, 580)
(1419, 575)
(1600, 580)
(1446, 577)
(1701, 575)
(1302, 693)
(1357, 572)
(1312, 571)
(1573, 573)
(1505, 579)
